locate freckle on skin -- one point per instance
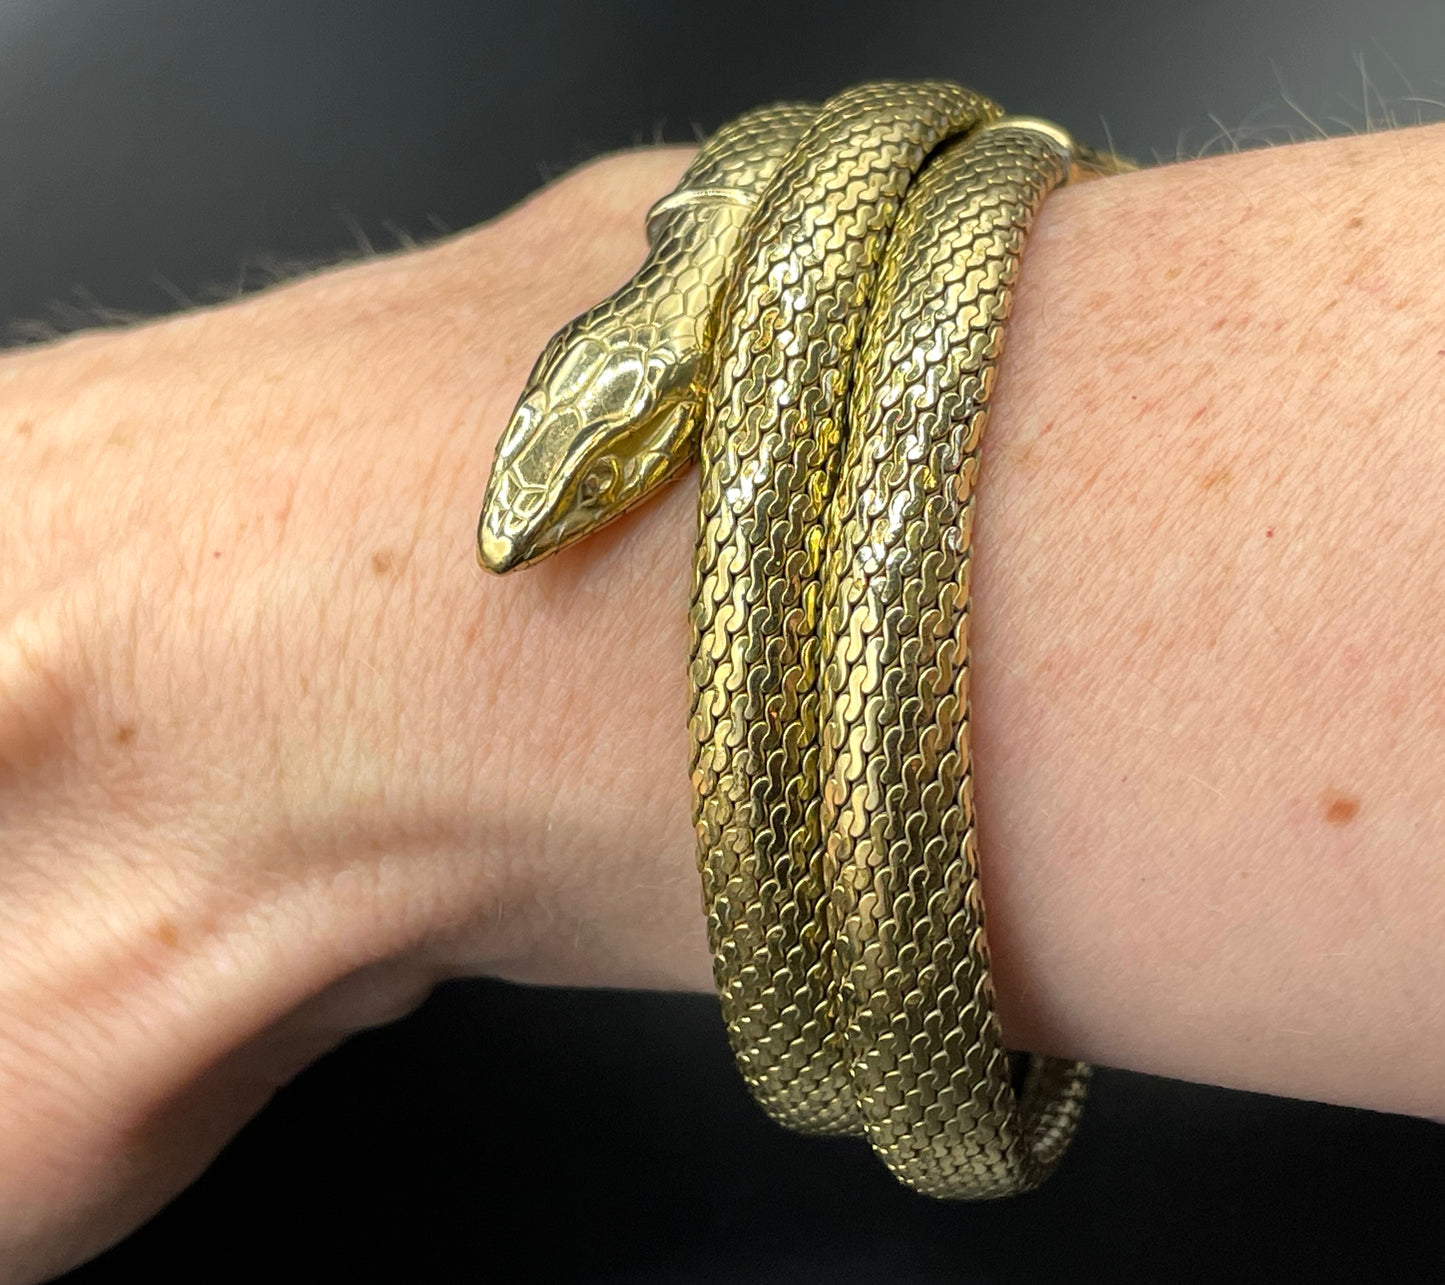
(1218, 477)
(1357, 222)
(166, 933)
(381, 562)
(1339, 809)
(216, 554)
(24, 428)
(124, 734)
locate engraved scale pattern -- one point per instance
(824, 302)
(743, 155)
(930, 1073)
(791, 317)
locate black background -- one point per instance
(154, 152)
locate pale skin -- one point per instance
(276, 756)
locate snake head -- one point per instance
(602, 423)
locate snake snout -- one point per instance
(505, 534)
(496, 552)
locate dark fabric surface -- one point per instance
(155, 151)
(519, 1135)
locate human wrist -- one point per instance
(1166, 508)
(336, 746)
(216, 811)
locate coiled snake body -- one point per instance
(820, 319)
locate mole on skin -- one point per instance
(1340, 809)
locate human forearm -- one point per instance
(273, 745)
(1210, 740)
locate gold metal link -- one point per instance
(790, 322)
(930, 1073)
(820, 318)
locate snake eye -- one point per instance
(598, 482)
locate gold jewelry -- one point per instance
(820, 318)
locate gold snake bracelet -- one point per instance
(819, 319)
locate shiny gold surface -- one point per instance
(613, 407)
(820, 318)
